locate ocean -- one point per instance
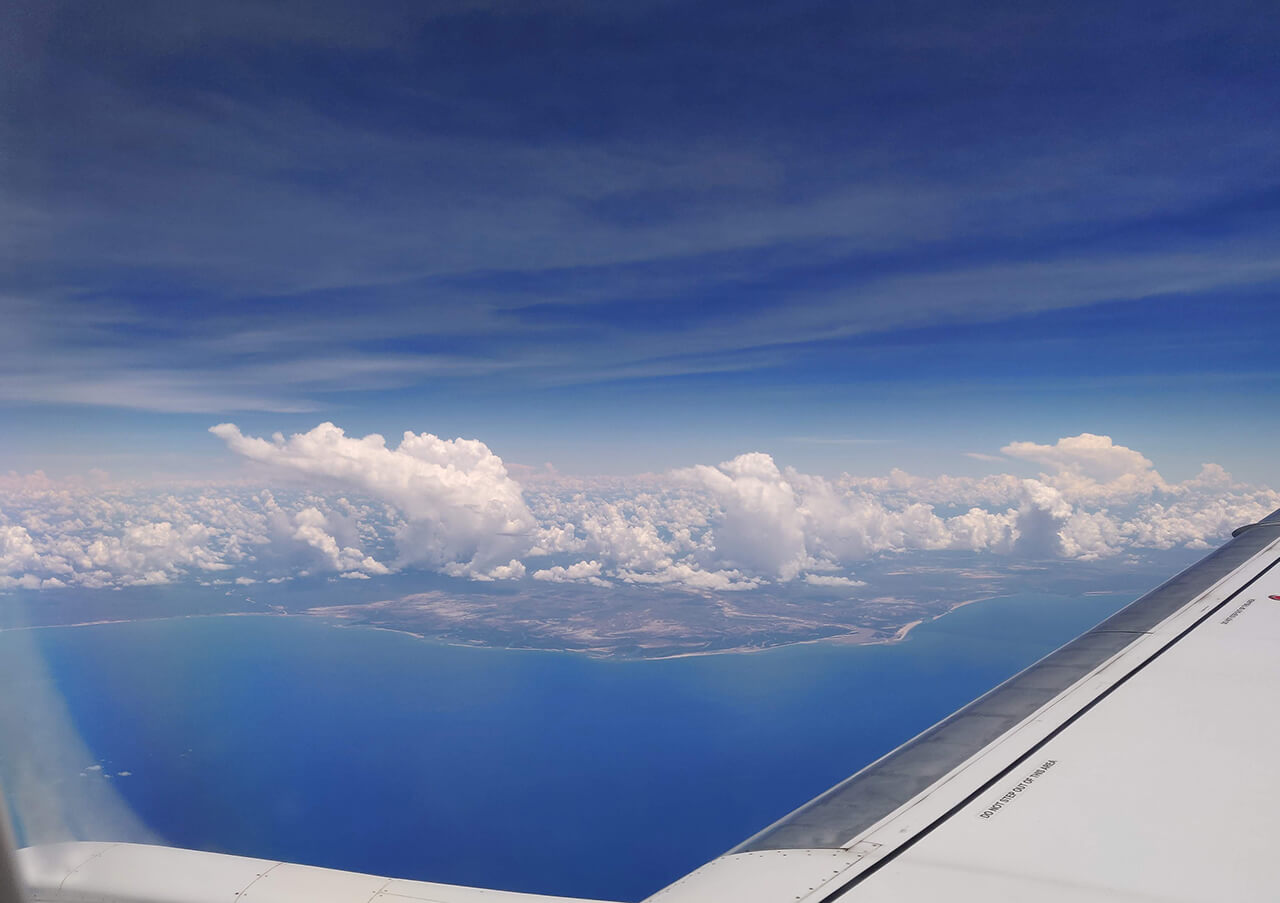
(286, 738)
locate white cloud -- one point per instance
(155, 551)
(1039, 521)
(779, 523)
(1092, 467)
(17, 551)
(581, 572)
(312, 528)
(1089, 455)
(1099, 500)
(740, 525)
(461, 508)
(686, 575)
(761, 528)
(978, 529)
(512, 570)
(832, 580)
(68, 533)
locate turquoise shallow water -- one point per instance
(373, 751)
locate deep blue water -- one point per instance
(373, 751)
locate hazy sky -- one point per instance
(626, 237)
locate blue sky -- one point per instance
(629, 237)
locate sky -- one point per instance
(605, 239)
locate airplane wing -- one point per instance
(1136, 763)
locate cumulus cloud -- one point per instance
(648, 531)
(1097, 499)
(55, 534)
(1089, 455)
(761, 526)
(312, 528)
(832, 580)
(1091, 467)
(451, 505)
(1039, 522)
(581, 572)
(155, 551)
(778, 523)
(462, 511)
(17, 550)
(686, 574)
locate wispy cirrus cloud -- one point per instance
(508, 216)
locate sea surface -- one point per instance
(285, 738)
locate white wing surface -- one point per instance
(1136, 763)
(140, 873)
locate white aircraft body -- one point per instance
(1136, 763)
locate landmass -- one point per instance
(643, 622)
(618, 621)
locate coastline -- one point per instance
(856, 637)
(104, 621)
